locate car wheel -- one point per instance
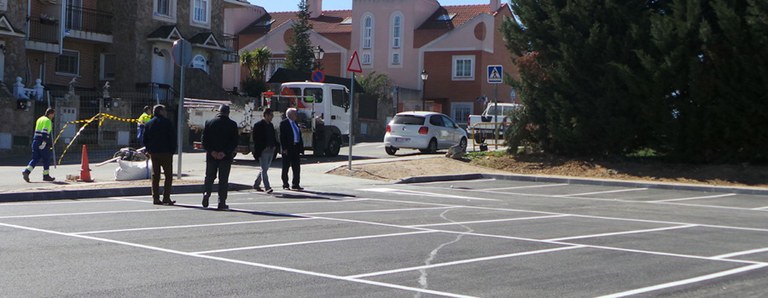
(390, 150)
(334, 146)
(431, 148)
(463, 143)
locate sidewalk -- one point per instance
(243, 173)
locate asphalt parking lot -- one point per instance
(478, 238)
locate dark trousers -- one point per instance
(164, 161)
(222, 167)
(38, 155)
(291, 160)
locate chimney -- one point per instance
(315, 8)
(495, 5)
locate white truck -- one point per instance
(324, 115)
(496, 114)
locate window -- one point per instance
(396, 59)
(460, 111)
(448, 122)
(367, 32)
(108, 67)
(366, 58)
(200, 11)
(68, 63)
(165, 9)
(339, 98)
(463, 67)
(315, 93)
(397, 25)
(436, 120)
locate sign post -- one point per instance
(182, 55)
(353, 66)
(496, 77)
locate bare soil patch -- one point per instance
(721, 175)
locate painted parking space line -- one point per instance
(423, 193)
(487, 221)
(521, 187)
(63, 202)
(761, 208)
(622, 233)
(234, 261)
(310, 242)
(740, 253)
(466, 261)
(686, 281)
(374, 211)
(188, 226)
(697, 198)
(93, 213)
(602, 192)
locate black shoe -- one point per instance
(223, 207)
(257, 188)
(157, 202)
(286, 187)
(205, 200)
(168, 202)
(296, 187)
(269, 190)
(25, 175)
(48, 178)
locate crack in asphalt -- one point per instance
(423, 278)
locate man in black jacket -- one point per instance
(220, 138)
(292, 145)
(264, 144)
(160, 142)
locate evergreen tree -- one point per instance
(710, 64)
(578, 76)
(300, 56)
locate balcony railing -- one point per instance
(231, 44)
(44, 30)
(90, 20)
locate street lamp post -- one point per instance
(319, 53)
(424, 77)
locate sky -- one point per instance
(292, 5)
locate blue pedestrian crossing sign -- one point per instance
(495, 74)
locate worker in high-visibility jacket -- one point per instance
(143, 119)
(41, 146)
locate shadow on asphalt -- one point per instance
(317, 195)
(251, 212)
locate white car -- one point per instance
(426, 131)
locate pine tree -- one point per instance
(299, 56)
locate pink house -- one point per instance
(400, 38)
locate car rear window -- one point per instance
(408, 120)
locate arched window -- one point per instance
(367, 35)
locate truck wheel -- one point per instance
(390, 150)
(334, 146)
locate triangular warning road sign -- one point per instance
(354, 64)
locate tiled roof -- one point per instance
(328, 22)
(461, 14)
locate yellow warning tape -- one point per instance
(101, 117)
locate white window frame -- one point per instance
(69, 53)
(366, 59)
(463, 105)
(367, 26)
(455, 75)
(397, 30)
(171, 16)
(196, 11)
(397, 59)
(103, 66)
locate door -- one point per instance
(453, 130)
(162, 67)
(338, 115)
(441, 134)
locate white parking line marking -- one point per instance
(309, 242)
(466, 261)
(686, 281)
(188, 226)
(376, 210)
(697, 198)
(602, 192)
(520, 187)
(93, 213)
(622, 233)
(449, 182)
(760, 208)
(487, 221)
(252, 264)
(740, 253)
(63, 202)
(423, 193)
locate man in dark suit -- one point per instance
(264, 146)
(220, 138)
(292, 145)
(160, 140)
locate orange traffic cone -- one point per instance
(85, 170)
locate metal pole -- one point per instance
(351, 118)
(496, 120)
(180, 117)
